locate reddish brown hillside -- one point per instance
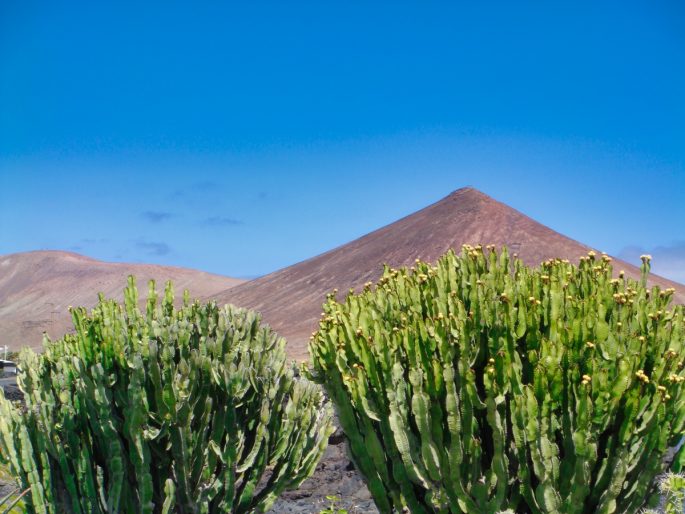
(36, 289)
(290, 299)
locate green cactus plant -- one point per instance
(192, 410)
(672, 490)
(479, 385)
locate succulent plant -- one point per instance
(189, 410)
(479, 384)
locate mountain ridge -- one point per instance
(37, 287)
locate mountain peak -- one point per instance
(290, 299)
(467, 191)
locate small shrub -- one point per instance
(333, 508)
(481, 385)
(188, 410)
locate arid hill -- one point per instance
(36, 289)
(290, 299)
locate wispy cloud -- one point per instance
(220, 221)
(196, 189)
(155, 216)
(154, 247)
(667, 260)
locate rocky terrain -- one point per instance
(334, 476)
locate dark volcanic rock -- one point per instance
(334, 476)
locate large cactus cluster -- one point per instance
(478, 385)
(192, 410)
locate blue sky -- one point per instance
(241, 139)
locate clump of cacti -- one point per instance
(479, 385)
(170, 410)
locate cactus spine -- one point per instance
(479, 385)
(164, 411)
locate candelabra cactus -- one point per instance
(480, 385)
(192, 410)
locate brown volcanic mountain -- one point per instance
(36, 289)
(290, 299)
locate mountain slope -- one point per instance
(36, 289)
(290, 299)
